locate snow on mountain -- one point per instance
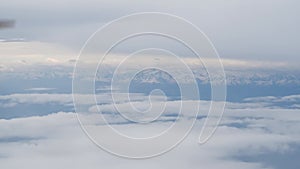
(153, 76)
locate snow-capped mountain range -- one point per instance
(261, 82)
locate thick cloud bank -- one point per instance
(247, 137)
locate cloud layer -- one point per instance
(56, 141)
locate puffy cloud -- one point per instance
(57, 139)
(289, 101)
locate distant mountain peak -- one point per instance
(153, 76)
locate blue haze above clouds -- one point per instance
(257, 40)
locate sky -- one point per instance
(246, 30)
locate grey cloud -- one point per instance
(239, 29)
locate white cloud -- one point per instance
(65, 99)
(40, 89)
(292, 100)
(29, 56)
(28, 53)
(57, 141)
